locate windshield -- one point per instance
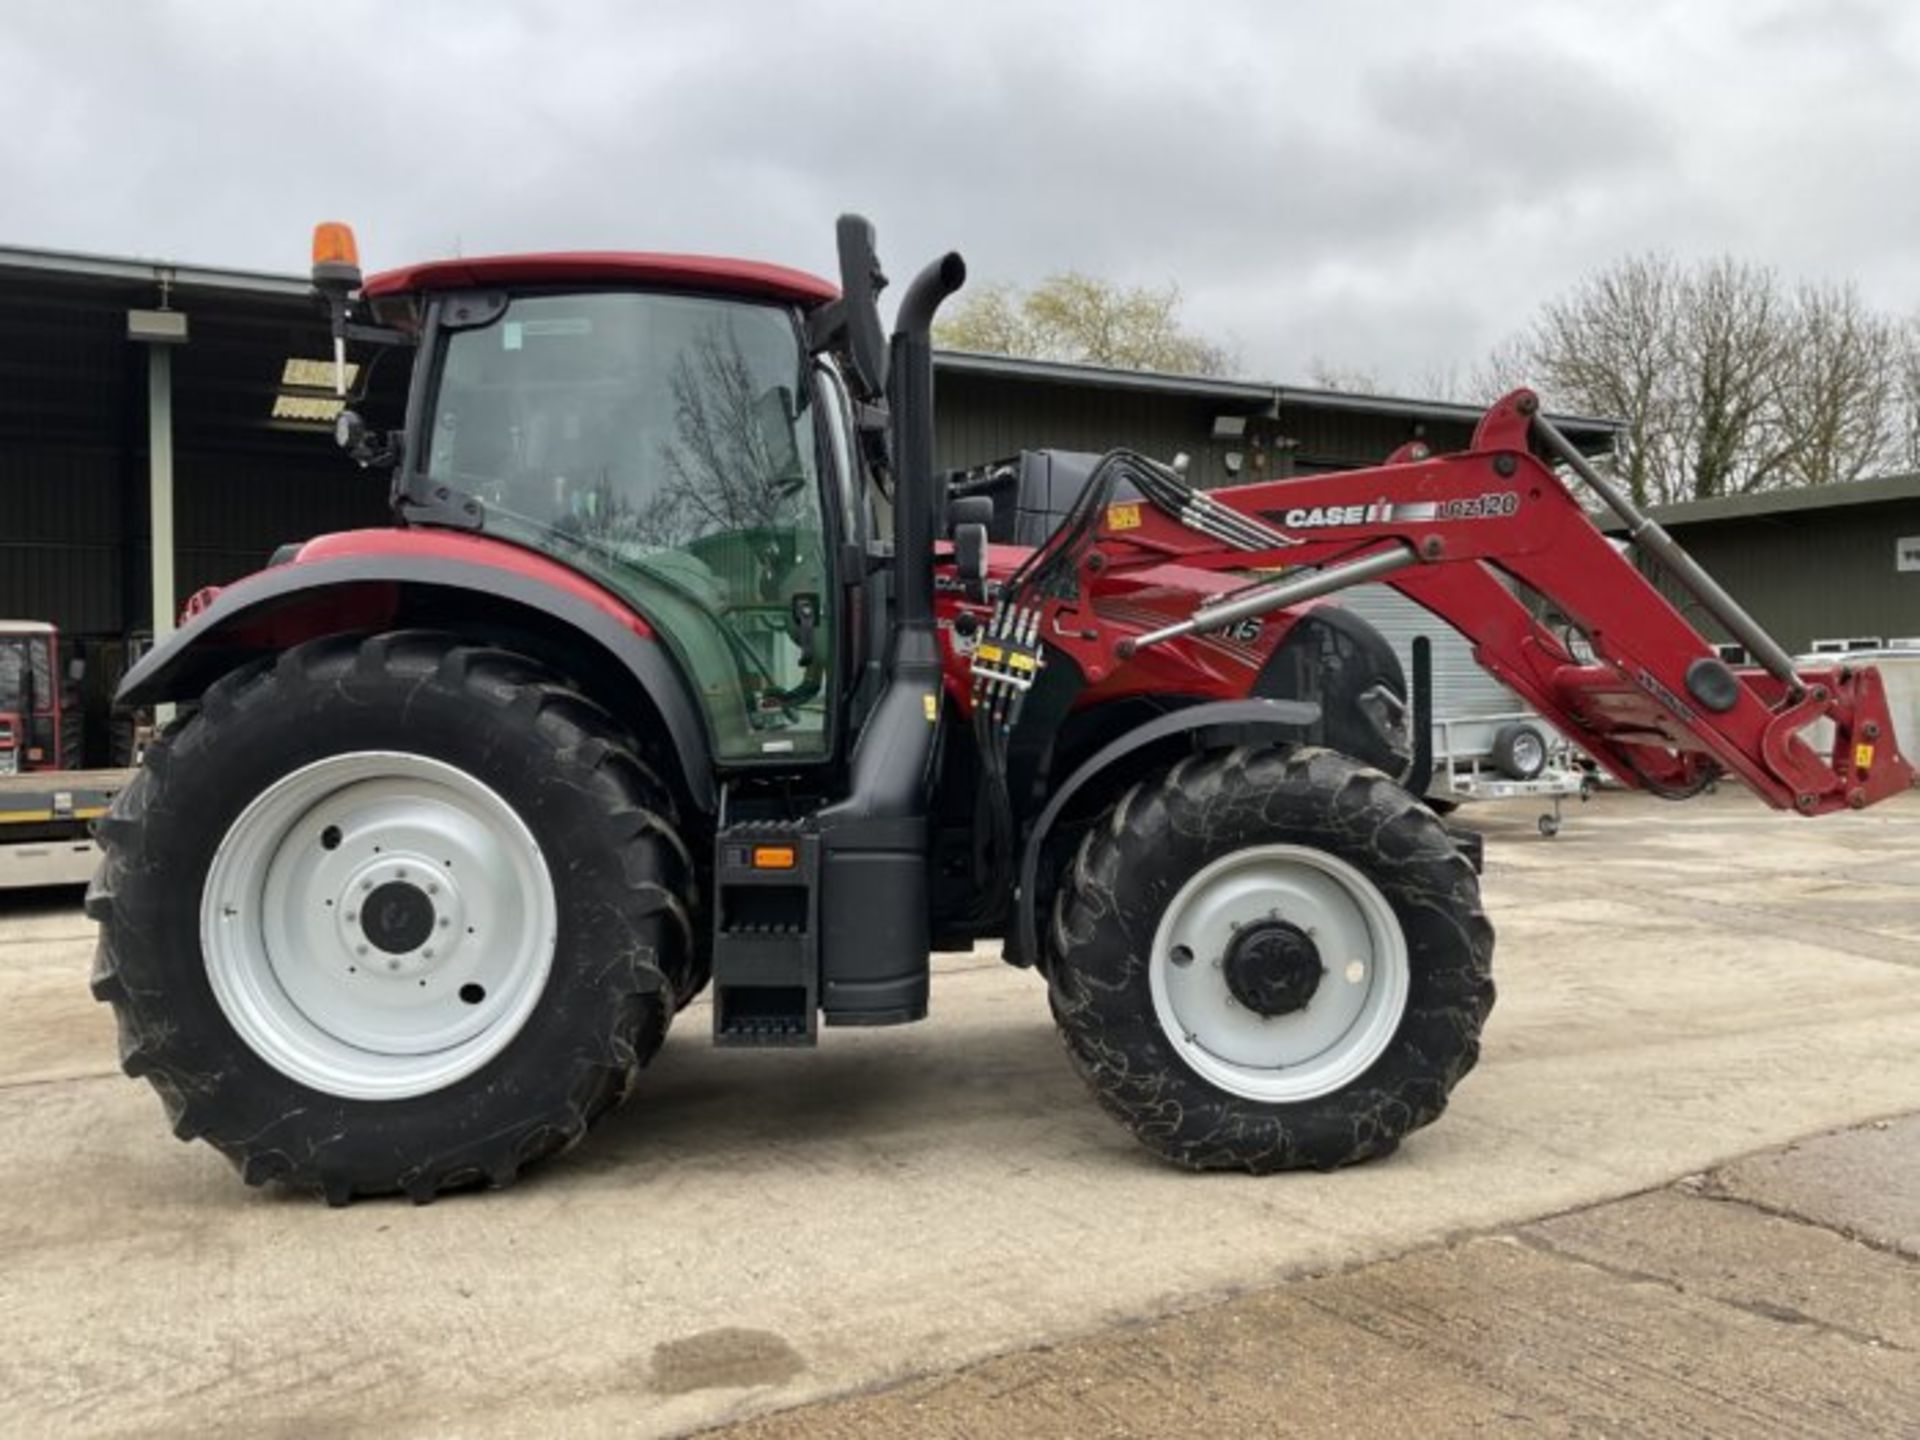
(13, 676)
(665, 445)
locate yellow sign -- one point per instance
(1123, 517)
(933, 707)
(1863, 757)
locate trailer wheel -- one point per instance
(392, 914)
(1519, 751)
(1267, 959)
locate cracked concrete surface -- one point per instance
(1680, 986)
(1684, 1311)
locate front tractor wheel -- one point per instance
(394, 914)
(1267, 959)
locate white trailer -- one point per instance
(46, 819)
(1487, 743)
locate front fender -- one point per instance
(1228, 722)
(392, 578)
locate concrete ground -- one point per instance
(1776, 1296)
(1681, 985)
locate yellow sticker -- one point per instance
(1123, 517)
(992, 654)
(1863, 757)
(1018, 661)
(933, 707)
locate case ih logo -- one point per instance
(1315, 517)
(1495, 506)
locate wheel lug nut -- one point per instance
(352, 916)
(393, 964)
(445, 922)
(359, 949)
(426, 954)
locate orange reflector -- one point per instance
(333, 244)
(773, 857)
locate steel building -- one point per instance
(1815, 567)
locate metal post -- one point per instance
(160, 493)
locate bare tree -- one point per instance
(1909, 381)
(1080, 318)
(1609, 348)
(1350, 379)
(1726, 382)
(1840, 400)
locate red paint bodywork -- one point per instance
(1497, 508)
(428, 544)
(607, 267)
(1624, 705)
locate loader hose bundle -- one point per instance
(1009, 656)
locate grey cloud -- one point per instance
(1394, 187)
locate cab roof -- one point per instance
(607, 267)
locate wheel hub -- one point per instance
(397, 917)
(397, 914)
(1272, 967)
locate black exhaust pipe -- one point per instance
(914, 523)
(875, 921)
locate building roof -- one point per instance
(1242, 396)
(1880, 491)
(707, 272)
(74, 265)
(1589, 431)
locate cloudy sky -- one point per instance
(1390, 187)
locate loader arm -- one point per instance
(1652, 702)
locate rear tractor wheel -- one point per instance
(394, 914)
(1267, 960)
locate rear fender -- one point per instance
(480, 588)
(1228, 722)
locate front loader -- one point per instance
(681, 670)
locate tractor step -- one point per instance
(766, 935)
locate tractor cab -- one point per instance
(662, 426)
(39, 713)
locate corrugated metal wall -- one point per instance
(979, 418)
(1812, 574)
(73, 449)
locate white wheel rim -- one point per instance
(1529, 753)
(361, 1006)
(1351, 1017)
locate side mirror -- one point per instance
(970, 558)
(350, 433)
(855, 316)
(970, 510)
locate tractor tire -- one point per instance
(1270, 959)
(1519, 751)
(465, 800)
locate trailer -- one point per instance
(46, 820)
(1487, 743)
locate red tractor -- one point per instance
(39, 702)
(682, 669)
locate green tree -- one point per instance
(1085, 320)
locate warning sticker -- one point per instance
(1863, 757)
(1123, 517)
